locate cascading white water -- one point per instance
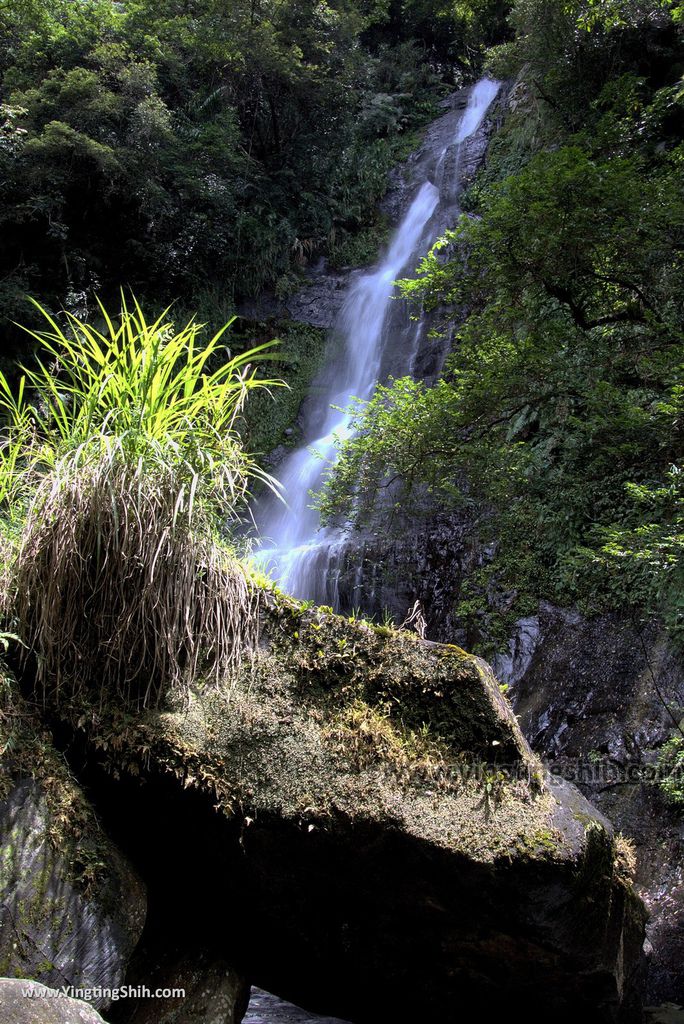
(480, 99)
(295, 549)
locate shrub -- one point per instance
(123, 449)
(671, 764)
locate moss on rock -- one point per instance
(369, 802)
(71, 907)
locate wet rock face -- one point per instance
(587, 695)
(424, 162)
(265, 1008)
(423, 560)
(18, 1008)
(321, 302)
(294, 822)
(318, 303)
(51, 927)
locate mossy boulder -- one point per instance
(71, 907)
(358, 823)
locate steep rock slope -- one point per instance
(598, 698)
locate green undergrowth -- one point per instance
(297, 359)
(361, 248)
(359, 245)
(528, 126)
(27, 752)
(671, 764)
(554, 435)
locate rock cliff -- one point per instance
(597, 698)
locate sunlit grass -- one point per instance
(122, 452)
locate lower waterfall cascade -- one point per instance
(373, 338)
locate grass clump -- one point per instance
(122, 451)
(368, 736)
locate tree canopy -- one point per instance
(197, 148)
(558, 420)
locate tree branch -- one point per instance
(579, 315)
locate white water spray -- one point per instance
(296, 551)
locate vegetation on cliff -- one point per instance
(204, 151)
(557, 425)
(201, 151)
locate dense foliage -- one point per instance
(558, 421)
(202, 150)
(671, 764)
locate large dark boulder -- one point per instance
(357, 822)
(71, 907)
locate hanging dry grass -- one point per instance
(122, 453)
(119, 598)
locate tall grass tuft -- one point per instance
(123, 446)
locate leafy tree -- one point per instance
(570, 50)
(557, 421)
(455, 33)
(179, 147)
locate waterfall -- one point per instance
(300, 555)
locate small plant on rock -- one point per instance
(671, 765)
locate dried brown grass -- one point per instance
(121, 592)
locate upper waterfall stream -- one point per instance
(371, 343)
